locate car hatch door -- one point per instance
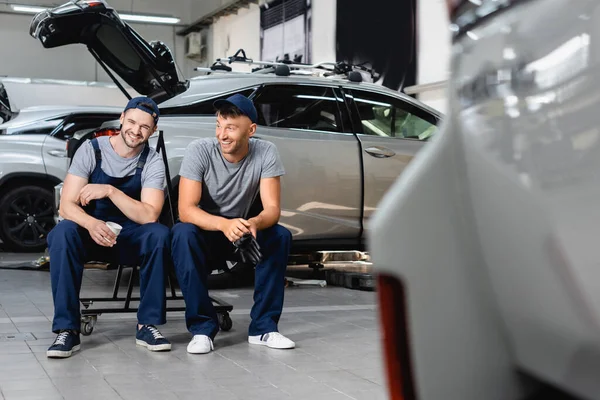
(148, 67)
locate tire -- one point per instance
(86, 329)
(26, 218)
(87, 324)
(225, 322)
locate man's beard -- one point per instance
(125, 137)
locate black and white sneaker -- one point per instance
(64, 345)
(151, 338)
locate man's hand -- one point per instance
(253, 226)
(234, 229)
(101, 233)
(93, 192)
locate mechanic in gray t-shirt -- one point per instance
(112, 180)
(221, 178)
(84, 163)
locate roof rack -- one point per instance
(338, 70)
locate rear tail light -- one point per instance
(106, 132)
(90, 3)
(98, 133)
(396, 344)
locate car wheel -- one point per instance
(26, 218)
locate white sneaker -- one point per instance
(200, 344)
(274, 340)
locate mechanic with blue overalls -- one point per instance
(117, 179)
(220, 178)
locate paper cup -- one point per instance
(116, 228)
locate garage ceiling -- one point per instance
(191, 12)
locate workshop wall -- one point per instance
(334, 34)
(433, 49)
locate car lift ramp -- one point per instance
(349, 269)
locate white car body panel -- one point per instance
(21, 154)
(495, 225)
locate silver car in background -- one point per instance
(33, 160)
(343, 142)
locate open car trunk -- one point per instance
(148, 68)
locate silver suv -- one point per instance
(33, 160)
(343, 141)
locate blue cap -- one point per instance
(244, 104)
(145, 104)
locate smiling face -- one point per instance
(233, 132)
(136, 127)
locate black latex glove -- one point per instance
(248, 249)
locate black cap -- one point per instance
(145, 104)
(244, 104)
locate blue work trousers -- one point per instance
(196, 253)
(70, 246)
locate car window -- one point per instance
(202, 107)
(116, 43)
(33, 128)
(76, 123)
(299, 107)
(387, 116)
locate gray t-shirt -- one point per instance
(229, 189)
(84, 162)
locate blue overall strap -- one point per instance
(142, 160)
(97, 151)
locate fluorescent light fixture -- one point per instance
(153, 19)
(27, 9)
(149, 18)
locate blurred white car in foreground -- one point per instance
(488, 245)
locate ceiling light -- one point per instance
(153, 19)
(27, 9)
(149, 18)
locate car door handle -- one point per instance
(380, 152)
(58, 153)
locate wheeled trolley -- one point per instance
(89, 316)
